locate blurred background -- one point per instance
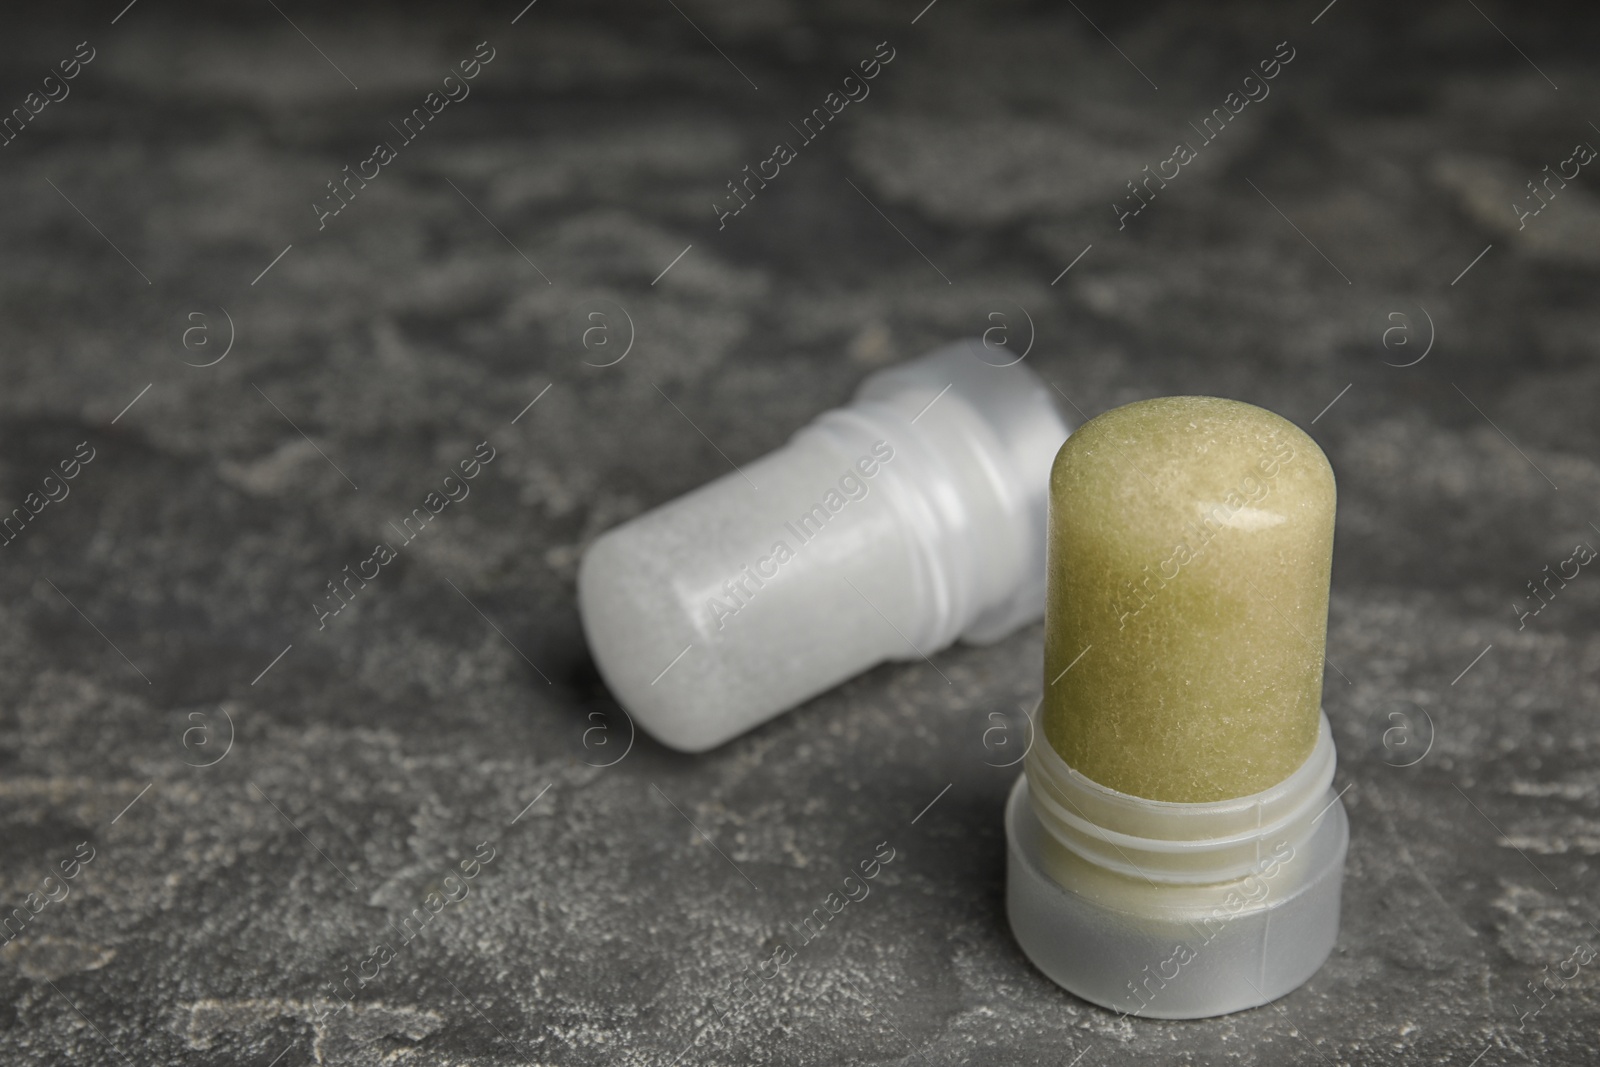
(227, 367)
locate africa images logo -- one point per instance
(742, 588)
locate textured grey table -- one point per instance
(266, 796)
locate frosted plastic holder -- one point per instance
(1173, 910)
(884, 530)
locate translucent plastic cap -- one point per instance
(883, 530)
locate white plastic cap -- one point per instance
(883, 530)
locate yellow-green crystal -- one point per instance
(1191, 540)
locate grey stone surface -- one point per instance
(622, 908)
